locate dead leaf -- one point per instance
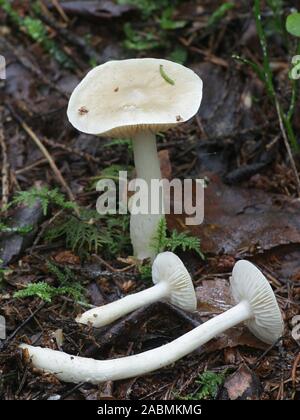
(67, 257)
(101, 9)
(239, 221)
(242, 385)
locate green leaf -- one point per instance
(293, 24)
(219, 13)
(140, 41)
(167, 22)
(45, 196)
(178, 55)
(162, 242)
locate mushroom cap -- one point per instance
(169, 269)
(248, 283)
(121, 98)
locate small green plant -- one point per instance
(145, 271)
(46, 292)
(3, 271)
(120, 142)
(111, 172)
(148, 7)
(178, 55)
(45, 196)
(22, 230)
(293, 24)
(167, 22)
(219, 14)
(176, 240)
(140, 41)
(264, 72)
(162, 13)
(209, 385)
(89, 234)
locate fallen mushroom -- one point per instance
(172, 282)
(137, 98)
(256, 305)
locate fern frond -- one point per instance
(162, 242)
(46, 198)
(46, 292)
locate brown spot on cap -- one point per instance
(83, 110)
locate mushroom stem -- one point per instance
(107, 314)
(144, 226)
(78, 369)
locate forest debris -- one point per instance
(242, 385)
(67, 257)
(103, 9)
(214, 296)
(5, 169)
(45, 152)
(241, 221)
(13, 244)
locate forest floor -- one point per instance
(235, 143)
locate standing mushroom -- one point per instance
(172, 282)
(256, 306)
(137, 98)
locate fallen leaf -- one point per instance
(101, 9)
(239, 221)
(67, 257)
(242, 385)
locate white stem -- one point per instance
(79, 369)
(106, 314)
(144, 226)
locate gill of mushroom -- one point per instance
(137, 98)
(172, 282)
(256, 306)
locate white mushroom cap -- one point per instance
(169, 269)
(120, 98)
(248, 283)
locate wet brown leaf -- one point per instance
(241, 221)
(242, 385)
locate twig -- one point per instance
(60, 10)
(126, 324)
(294, 369)
(70, 391)
(184, 315)
(110, 267)
(5, 169)
(72, 150)
(4, 344)
(70, 37)
(45, 152)
(263, 355)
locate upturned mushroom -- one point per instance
(172, 282)
(137, 98)
(256, 306)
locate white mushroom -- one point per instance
(172, 282)
(256, 305)
(137, 98)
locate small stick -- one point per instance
(60, 10)
(45, 152)
(294, 369)
(4, 344)
(72, 150)
(5, 169)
